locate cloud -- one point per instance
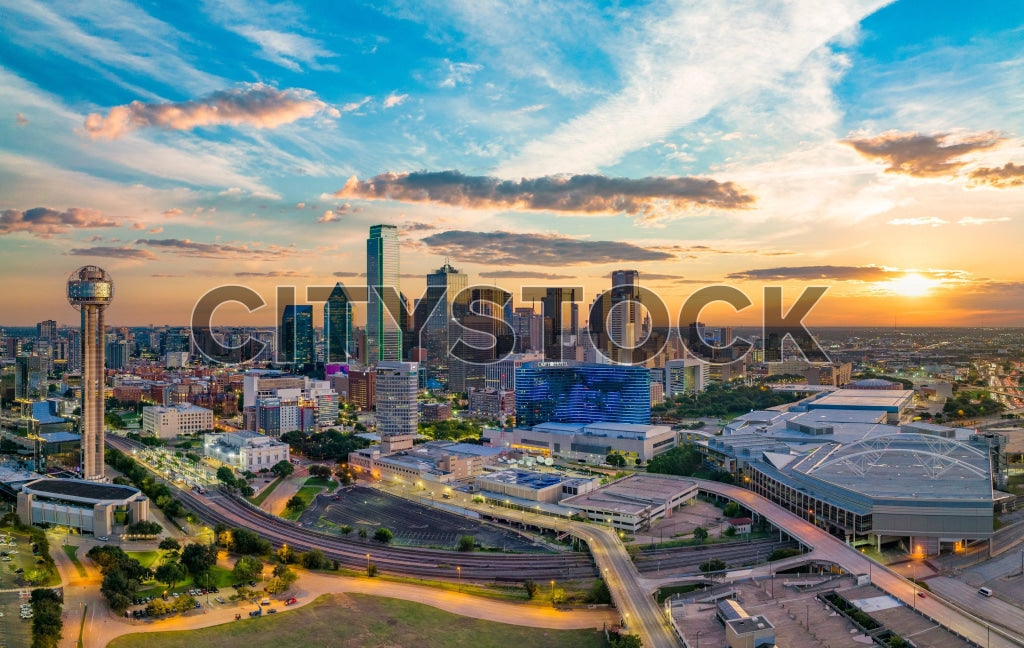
(395, 99)
(138, 226)
(655, 276)
(1008, 175)
(591, 194)
(919, 155)
(507, 248)
(156, 230)
(252, 104)
(114, 253)
(355, 105)
(185, 247)
(414, 226)
(918, 221)
(21, 120)
(842, 273)
(171, 213)
(300, 205)
(523, 274)
(162, 275)
(273, 273)
(286, 49)
(459, 73)
(349, 273)
(328, 217)
(971, 220)
(45, 222)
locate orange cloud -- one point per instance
(920, 155)
(253, 104)
(45, 222)
(1008, 175)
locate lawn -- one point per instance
(329, 484)
(306, 494)
(147, 559)
(356, 620)
(72, 553)
(219, 577)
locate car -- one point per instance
(256, 613)
(102, 538)
(272, 611)
(176, 595)
(921, 594)
(215, 590)
(291, 601)
(219, 600)
(199, 605)
(252, 583)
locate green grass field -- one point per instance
(148, 559)
(72, 553)
(306, 493)
(329, 484)
(356, 620)
(219, 577)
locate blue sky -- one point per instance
(872, 146)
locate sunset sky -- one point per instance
(873, 147)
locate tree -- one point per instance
(467, 543)
(324, 472)
(626, 641)
(712, 565)
(144, 528)
(171, 573)
(245, 541)
(730, 532)
(383, 535)
(183, 603)
(371, 570)
(286, 555)
(700, 534)
(169, 544)
(731, 510)
(226, 476)
(362, 533)
(198, 558)
(313, 559)
(282, 468)
(295, 503)
(345, 529)
(282, 579)
(599, 593)
(531, 588)
(47, 625)
(247, 568)
(616, 460)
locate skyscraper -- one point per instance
(397, 384)
(46, 330)
(383, 308)
(624, 324)
(297, 335)
(337, 326)
(433, 313)
(91, 290)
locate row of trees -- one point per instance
(330, 445)
(47, 626)
(686, 461)
(134, 474)
(450, 430)
(122, 575)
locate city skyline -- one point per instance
(872, 147)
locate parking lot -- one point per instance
(15, 632)
(412, 524)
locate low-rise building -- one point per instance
(170, 422)
(436, 461)
(88, 506)
(587, 443)
(535, 486)
(245, 450)
(634, 502)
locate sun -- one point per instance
(910, 285)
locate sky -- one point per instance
(875, 148)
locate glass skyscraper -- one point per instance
(384, 302)
(297, 335)
(432, 315)
(337, 326)
(569, 392)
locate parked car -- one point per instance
(291, 600)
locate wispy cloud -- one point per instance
(273, 27)
(459, 73)
(395, 99)
(21, 120)
(919, 221)
(1008, 175)
(507, 248)
(45, 222)
(971, 220)
(864, 273)
(590, 194)
(114, 253)
(922, 156)
(524, 274)
(273, 273)
(253, 104)
(355, 105)
(186, 247)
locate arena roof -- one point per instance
(81, 489)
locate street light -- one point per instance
(552, 591)
(367, 564)
(458, 568)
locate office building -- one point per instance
(170, 422)
(685, 376)
(502, 373)
(46, 330)
(570, 392)
(362, 389)
(397, 386)
(81, 504)
(91, 290)
(431, 321)
(384, 302)
(296, 336)
(338, 326)
(587, 443)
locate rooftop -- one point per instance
(634, 494)
(81, 488)
(528, 478)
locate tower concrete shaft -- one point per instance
(93, 402)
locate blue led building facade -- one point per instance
(569, 392)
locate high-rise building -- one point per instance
(118, 353)
(384, 302)
(46, 330)
(91, 290)
(397, 384)
(338, 326)
(431, 320)
(554, 325)
(484, 335)
(297, 335)
(362, 389)
(624, 314)
(569, 392)
(685, 376)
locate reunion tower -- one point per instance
(90, 290)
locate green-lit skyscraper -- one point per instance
(384, 303)
(337, 326)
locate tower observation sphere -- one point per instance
(90, 290)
